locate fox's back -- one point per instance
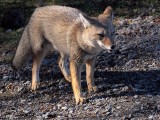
(56, 13)
(53, 23)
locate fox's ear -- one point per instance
(84, 20)
(108, 11)
(107, 14)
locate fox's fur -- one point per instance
(73, 34)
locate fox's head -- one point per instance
(99, 32)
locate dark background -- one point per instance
(16, 13)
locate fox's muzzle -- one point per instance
(108, 44)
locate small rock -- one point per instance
(132, 56)
(61, 86)
(108, 113)
(115, 90)
(125, 88)
(26, 111)
(22, 101)
(64, 107)
(2, 90)
(135, 96)
(39, 117)
(45, 115)
(130, 116)
(85, 108)
(96, 110)
(150, 117)
(5, 77)
(59, 106)
(108, 108)
(149, 95)
(71, 110)
(118, 107)
(98, 103)
(9, 117)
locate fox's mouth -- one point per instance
(107, 48)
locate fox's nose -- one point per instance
(112, 47)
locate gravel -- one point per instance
(128, 81)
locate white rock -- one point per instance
(59, 106)
(118, 107)
(150, 117)
(5, 77)
(64, 107)
(45, 115)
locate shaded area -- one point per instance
(128, 8)
(138, 82)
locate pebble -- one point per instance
(135, 96)
(45, 115)
(26, 111)
(61, 86)
(87, 107)
(64, 107)
(108, 108)
(118, 107)
(125, 88)
(115, 90)
(59, 106)
(96, 110)
(9, 117)
(71, 110)
(150, 117)
(5, 77)
(1, 91)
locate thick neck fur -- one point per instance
(78, 35)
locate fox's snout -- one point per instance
(106, 44)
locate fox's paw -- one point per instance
(92, 89)
(34, 86)
(80, 100)
(68, 78)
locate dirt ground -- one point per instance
(128, 81)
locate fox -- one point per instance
(77, 37)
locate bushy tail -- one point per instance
(23, 52)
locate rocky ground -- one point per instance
(128, 80)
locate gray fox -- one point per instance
(74, 35)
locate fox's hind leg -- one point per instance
(37, 60)
(62, 61)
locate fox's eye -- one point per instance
(101, 35)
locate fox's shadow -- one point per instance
(129, 83)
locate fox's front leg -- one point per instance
(90, 64)
(76, 83)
